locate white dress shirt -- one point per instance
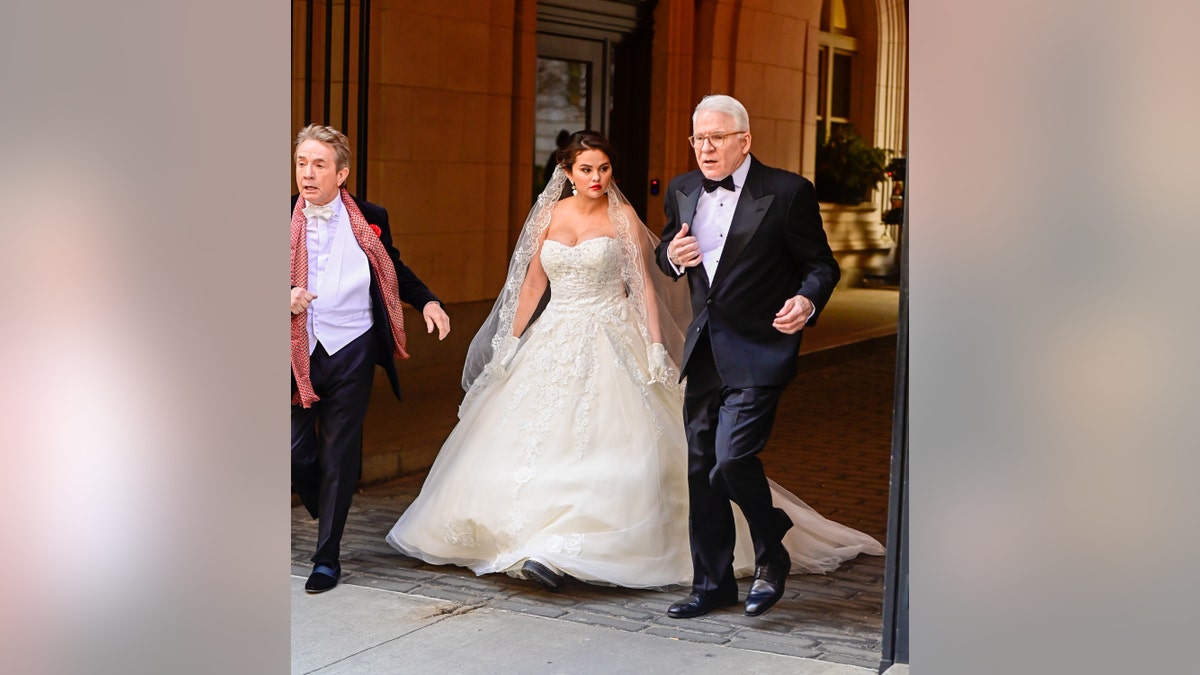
(340, 276)
(714, 215)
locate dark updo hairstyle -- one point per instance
(585, 140)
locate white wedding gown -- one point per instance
(576, 461)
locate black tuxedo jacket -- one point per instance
(776, 249)
(412, 290)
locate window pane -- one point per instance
(840, 106)
(562, 103)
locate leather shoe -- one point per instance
(768, 584)
(698, 605)
(323, 578)
(542, 574)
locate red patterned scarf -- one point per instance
(385, 274)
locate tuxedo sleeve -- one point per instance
(412, 289)
(809, 247)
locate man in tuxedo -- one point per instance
(750, 241)
(347, 284)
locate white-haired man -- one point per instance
(749, 239)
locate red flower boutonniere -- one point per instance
(375, 228)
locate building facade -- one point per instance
(453, 106)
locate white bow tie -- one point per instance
(322, 212)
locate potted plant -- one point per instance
(847, 168)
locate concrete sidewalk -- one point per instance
(353, 629)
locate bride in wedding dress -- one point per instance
(569, 458)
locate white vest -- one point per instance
(340, 276)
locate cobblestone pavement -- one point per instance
(831, 447)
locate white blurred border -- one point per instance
(1052, 236)
(145, 488)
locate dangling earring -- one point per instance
(573, 191)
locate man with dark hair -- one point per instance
(347, 284)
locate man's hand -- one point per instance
(795, 313)
(436, 316)
(684, 249)
(301, 299)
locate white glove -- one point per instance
(497, 369)
(507, 350)
(656, 355)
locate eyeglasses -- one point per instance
(717, 140)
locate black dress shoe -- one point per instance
(542, 574)
(699, 605)
(323, 578)
(768, 584)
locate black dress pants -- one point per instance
(726, 429)
(327, 439)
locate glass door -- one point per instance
(572, 87)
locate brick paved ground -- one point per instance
(831, 447)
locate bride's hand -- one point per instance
(507, 350)
(656, 355)
(497, 368)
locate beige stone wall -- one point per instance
(671, 99)
(773, 55)
(441, 133)
(443, 137)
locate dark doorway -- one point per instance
(594, 73)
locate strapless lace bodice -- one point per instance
(584, 276)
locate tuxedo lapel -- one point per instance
(687, 204)
(747, 216)
(687, 211)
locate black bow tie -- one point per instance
(726, 182)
